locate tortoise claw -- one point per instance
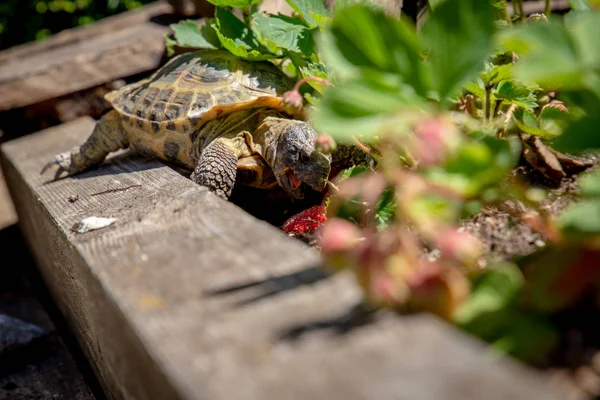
(63, 161)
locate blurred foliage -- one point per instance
(24, 21)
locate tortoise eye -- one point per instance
(304, 157)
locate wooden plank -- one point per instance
(82, 33)
(81, 65)
(8, 215)
(188, 297)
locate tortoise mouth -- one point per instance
(292, 184)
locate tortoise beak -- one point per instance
(290, 182)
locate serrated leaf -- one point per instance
(458, 36)
(318, 70)
(234, 3)
(385, 208)
(283, 32)
(476, 88)
(238, 38)
(528, 123)
(514, 93)
(364, 106)
(495, 290)
(497, 73)
(189, 34)
(306, 9)
(553, 119)
(323, 21)
(361, 38)
(548, 55)
(579, 5)
(476, 165)
(589, 184)
(585, 31)
(581, 217)
(579, 136)
(339, 5)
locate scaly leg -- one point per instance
(217, 166)
(108, 136)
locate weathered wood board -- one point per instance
(82, 65)
(8, 215)
(188, 297)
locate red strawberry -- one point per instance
(306, 221)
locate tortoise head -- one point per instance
(294, 160)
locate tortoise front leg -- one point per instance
(108, 136)
(217, 165)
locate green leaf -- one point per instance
(495, 290)
(514, 93)
(579, 5)
(491, 313)
(525, 336)
(189, 34)
(433, 4)
(237, 37)
(308, 8)
(585, 30)
(476, 165)
(339, 5)
(477, 88)
(458, 36)
(581, 217)
(354, 170)
(589, 184)
(580, 136)
(234, 3)
(317, 70)
(549, 55)
(528, 123)
(362, 39)
(498, 73)
(553, 119)
(364, 106)
(385, 208)
(280, 31)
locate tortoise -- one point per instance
(215, 114)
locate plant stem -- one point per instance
(505, 12)
(548, 8)
(487, 106)
(519, 4)
(310, 78)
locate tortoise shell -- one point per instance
(196, 87)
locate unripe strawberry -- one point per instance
(557, 104)
(461, 247)
(434, 138)
(537, 17)
(340, 243)
(437, 288)
(325, 144)
(293, 101)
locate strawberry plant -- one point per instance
(446, 113)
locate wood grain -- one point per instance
(81, 33)
(8, 215)
(188, 297)
(81, 65)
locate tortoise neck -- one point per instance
(233, 125)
